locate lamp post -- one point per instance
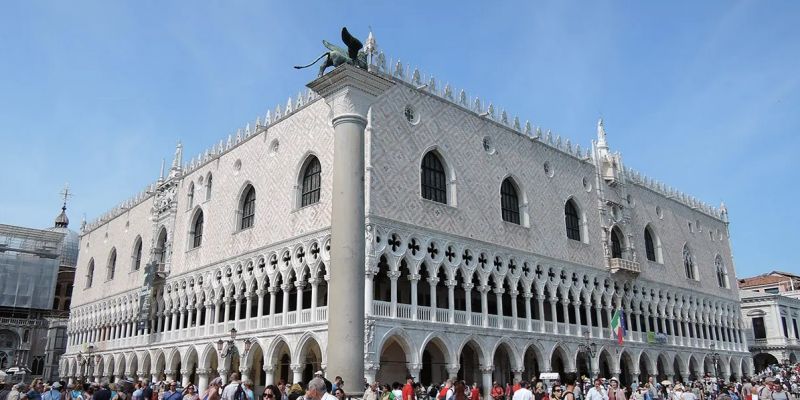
(715, 360)
(590, 348)
(228, 347)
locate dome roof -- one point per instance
(71, 243)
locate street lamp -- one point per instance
(228, 347)
(715, 360)
(590, 348)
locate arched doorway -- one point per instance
(434, 362)
(281, 361)
(255, 359)
(310, 358)
(470, 361)
(763, 360)
(676, 368)
(582, 364)
(558, 362)
(605, 364)
(393, 360)
(644, 367)
(792, 358)
(661, 367)
(734, 370)
(502, 364)
(694, 368)
(531, 364)
(626, 370)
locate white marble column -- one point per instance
(349, 92)
(414, 281)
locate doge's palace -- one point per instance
(486, 249)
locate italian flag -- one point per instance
(618, 325)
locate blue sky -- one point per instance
(701, 95)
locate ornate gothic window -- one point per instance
(572, 220)
(688, 263)
(311, 182)
(90, 273)
(722, 274)
(433, 179)
(137, 253)
(616, 243)
(509, 202)
(197, 230)
(112, 264)
(649, 245)
(161, 246)
(208, 186)
(248, 207)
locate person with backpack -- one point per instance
(54, 393)
(234, 390)
(447, 391)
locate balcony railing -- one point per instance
(621, 264)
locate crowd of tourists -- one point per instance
(777, 382)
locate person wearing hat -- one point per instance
(53, 393)
(614, 391)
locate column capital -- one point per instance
(244, 370)
(393, 275)
(349, 92)
(413, 277)
(486, 369)
(200, 371)
(260, 292)
(468, 286)
(453, 369)
(286, 287)
(268, 368)
(296, 368)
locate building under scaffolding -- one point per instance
(37, 267)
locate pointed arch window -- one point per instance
(572, 220)
(90, 273)
(649, 245)
(433, 179)
(616, 243)
(509, 202)
(112, 264)
(197, 230)
(137, 254)
(722, 273)
(209, 184)
(688, 263)
(311, 182)
(248, 207)
(161, 246)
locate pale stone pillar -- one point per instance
(540, 301)
(244, 373)
(518, 375)
(393, 276)
(269, 375)
(486, 375)
(553, 313)
(273, 290)
(202, 380)
(484, 289)
(432, 283)
(299, 286)
(260, 306)
(185, 377)
(468, 297)
(286, 287)
(527, 296)
(498, 293)
(452, 371)
(169, 374)
(349, 92)
(297, 373)
(238, 307)
(227, 305)
(370, 374)
(414, 280)
(223, 374)
(451, 297)
(314, 283)
(248, 313)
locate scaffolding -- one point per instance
(29, 263)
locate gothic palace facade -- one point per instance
(493, 251)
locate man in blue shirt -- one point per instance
(54, 393)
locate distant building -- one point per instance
(771, 311)
(37, 268)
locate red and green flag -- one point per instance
(618, 325)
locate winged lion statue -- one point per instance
(336, 56)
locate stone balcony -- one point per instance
(495, 323)
(621, 264)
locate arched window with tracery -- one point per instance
(509, 202)
(433, 178)
(197, 230)
(112, 264)
(90, 273)
(649, 244)
(616, 243)
(722, 273)
(137, 254)
(312, 181)
(248, 208)
(572, 220)
(688, 263)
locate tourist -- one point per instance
(172, 392)
(475, 393)
(371, 391)
(35, 393)
(53, 392)
(16, 392)
(497, 391)
(337, 383)
(137, 391)
(446, 392)
(540, 393)
(569, 389)
(524, 392)
(614, 391)
(233, 390)
(408, 390)
(189, 393)
(778, 392)
(597, 392)
(339, 393)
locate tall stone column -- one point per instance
(349, 92)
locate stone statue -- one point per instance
(336, 56)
